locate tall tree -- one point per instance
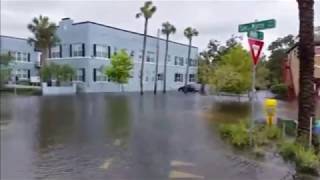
(189, 33)
(278, 49)
(146, 11)
(44, 33)
(306, 57)
(5, 68)
(167, 29)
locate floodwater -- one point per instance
(125, 136)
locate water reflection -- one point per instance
(56, 127)
(117, 117)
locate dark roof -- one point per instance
(90, 22)
(316, 43)
(24, 39)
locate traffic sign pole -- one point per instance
(255, 38)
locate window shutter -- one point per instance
(60, 50)
(109, 52)
(70, 50)
(50, 52)
(84, 75)
(28, 57)
(94, 74)
(94, 50)
(83, 50)
(29, 74)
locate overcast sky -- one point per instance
(214, 19)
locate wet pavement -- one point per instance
(125, 136)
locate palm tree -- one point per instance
(306, 56)
(146, 11)
(44, 33)
(189, 33)
(167, 29)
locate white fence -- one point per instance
(58, 90)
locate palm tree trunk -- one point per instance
(143, 54)
(157, 64)
(188, 63)
(165, 65)
(44, 57)
(306, 56)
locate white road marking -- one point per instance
(183, 175)
(181, 163)
(106, 164)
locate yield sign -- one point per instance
(255, 48)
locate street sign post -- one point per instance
(256, 35)
(256, 43)
(259, 25)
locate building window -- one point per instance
(77, 50)
(55, 52)
(181, 61)
(193, 62)
(20, 56)
(101, 51)
(150, 56)
(178, 61)
(98, 75)
(22, 74)
(178, 77)
(80, 75)
(192, 78)
(160, 77)
(168, 58)
(132, 53)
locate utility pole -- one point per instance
(157, 63)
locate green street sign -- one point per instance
(259, 25)
(256, 35)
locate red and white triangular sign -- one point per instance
(255, 48)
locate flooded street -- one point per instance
(114, 136)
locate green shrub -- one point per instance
(280, 90)
(272, 132)
(225, 130)
(306, 160)
(237, 134)
(287, 150)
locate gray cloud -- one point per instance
(214, 19)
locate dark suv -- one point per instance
(188, 88)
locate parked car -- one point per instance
(188, 88)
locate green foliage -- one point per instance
(147, 10)
(5, 70)
(237, 134)
(272, 132)
(58, 72)
(262, 75)
(280, 90)
(233, 72)
(304, 158)
(287, 150)
(44, 32)
(278, 50)
(119, 70)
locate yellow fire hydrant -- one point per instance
(271, 110)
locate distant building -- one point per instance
(25, 58)
(291, 70)
(88, 46)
